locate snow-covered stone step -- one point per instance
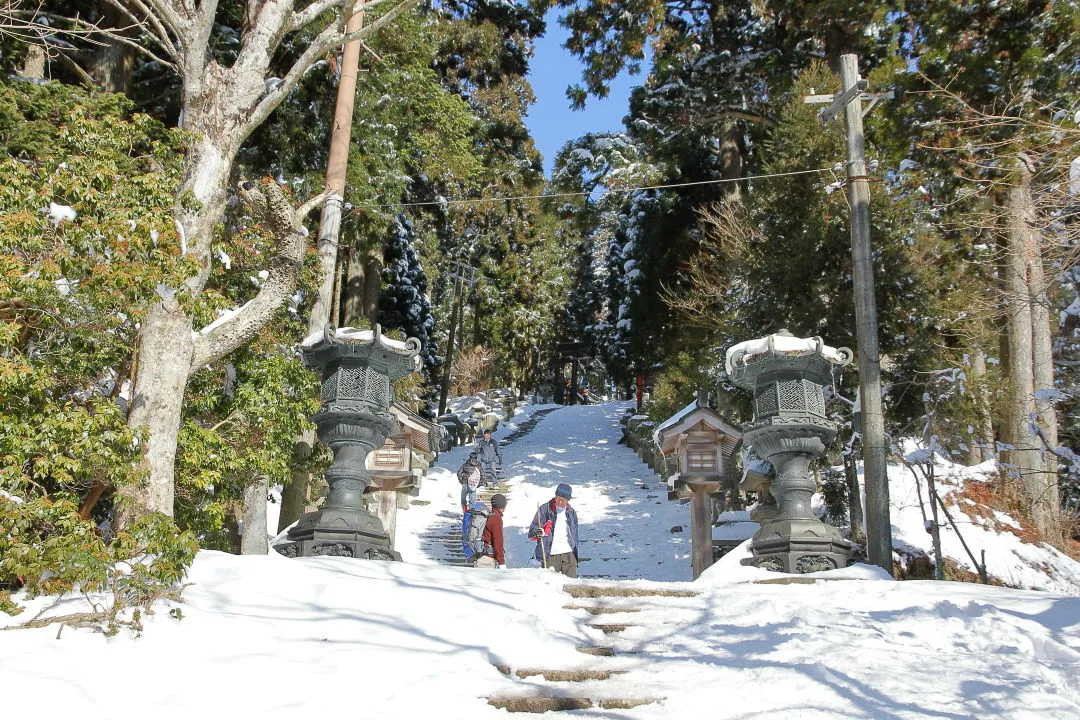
(572, 675)
(541, 704)
(603, 651)
(609, 628)
(599, 610)
(599, 591)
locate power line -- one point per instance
(468, 201)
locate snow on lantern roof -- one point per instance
(349, 334)
(782, 344)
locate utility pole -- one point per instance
(294, 494)
(463, 274)
(849, 101)
(340, 135)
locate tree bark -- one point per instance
(221, 106)
(981, 447)
(372, 284)
(169, 352)
(111, 64)
(353, 294)
(34, 63)
(1022, 254)
(165, 351)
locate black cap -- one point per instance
(498, 500)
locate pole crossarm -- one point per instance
(463, 272)
(839, 101)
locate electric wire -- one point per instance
(468, 201)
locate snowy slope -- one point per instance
(1008, 558)
(624, 517)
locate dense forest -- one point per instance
(163, 161)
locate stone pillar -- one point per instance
(253, 536)
(387, 512)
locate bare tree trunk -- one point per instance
(731, 163)
(980, 449)
(166, 349)
(353, 300)
(372, 284)
(169, 352)
(1038, 482)
(221, 106)
(111, 64)
(1042, 355)
(295, 493)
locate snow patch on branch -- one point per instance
(224, 316)
(183, 237)
(59, 213)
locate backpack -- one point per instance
(466, 471)
(472, 531)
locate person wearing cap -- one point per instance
(493, 536)
(469, 477)
(555, 528)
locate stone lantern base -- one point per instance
(339, 531)
(799, 546)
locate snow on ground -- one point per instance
(1008, 558)
(269, 637)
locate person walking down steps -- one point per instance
(469, 477)
(492, 554)
(490, 456)
(555, 528)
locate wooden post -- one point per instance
(340, 134)
(701, 523)
(878, 522)
(935, 528)
(573, 380)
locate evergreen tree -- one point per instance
(403, 303)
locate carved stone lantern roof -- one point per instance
(782, 353)
(396, 358)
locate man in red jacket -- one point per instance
(493, 536)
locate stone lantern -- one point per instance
(790, 429)
(357, 367)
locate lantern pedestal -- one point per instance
(792, 539)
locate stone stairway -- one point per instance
(620, 665)
(446, 541)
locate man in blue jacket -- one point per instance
(555, 527)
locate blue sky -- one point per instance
(551, 120)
